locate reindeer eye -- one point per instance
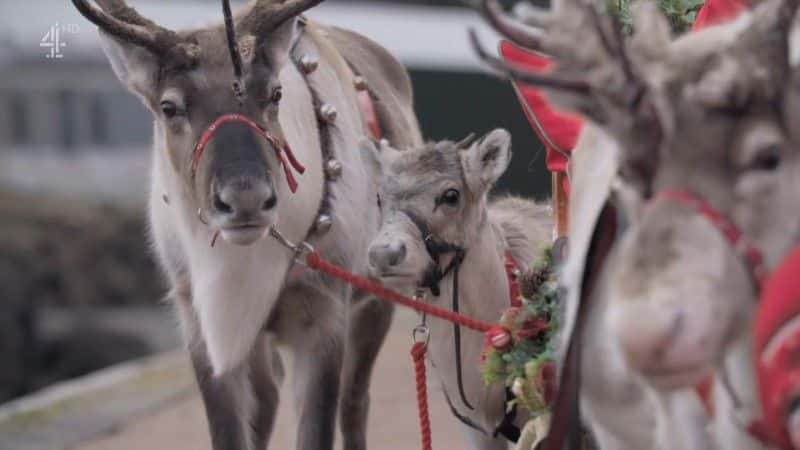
(277, 95)
(450, 197)
(169, 109)
(767, 160)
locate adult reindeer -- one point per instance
(692, 142)
(222, 165)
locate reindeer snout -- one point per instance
(670, 345)
(243, 209)
(385, 256)
(244, 199)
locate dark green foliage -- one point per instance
(679, 13)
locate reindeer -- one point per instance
(222, 166)
(677, 128)
(436, 214)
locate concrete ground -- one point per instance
(393, 423)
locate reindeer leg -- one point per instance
(230, 400)
(266, 374)
(311, 324)
(369, 320)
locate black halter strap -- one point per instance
(436, 247)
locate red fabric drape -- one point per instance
(555, 128)
(776, 328)
(717, 11)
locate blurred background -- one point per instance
(78, 288)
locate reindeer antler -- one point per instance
(120, 20)
(593, 64)
(519, 33)
(267, 15)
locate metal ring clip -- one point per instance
(421, 333)
(300, 250)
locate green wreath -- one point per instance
(526, 364)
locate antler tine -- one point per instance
(511, 28)
(532, 15)
(123, 12)
(523, 75)
(122, 21)
(267, 15)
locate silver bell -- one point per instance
(309, 64)
(333, 168)
(327, 113)
(360, 83)
(324, 223)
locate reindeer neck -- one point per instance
(482, 284)
(483, 294)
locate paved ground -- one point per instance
(393, 419)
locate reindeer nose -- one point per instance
(244, 198)
(387, 255)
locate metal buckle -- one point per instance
(300, 250)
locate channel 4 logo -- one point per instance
(54, 40)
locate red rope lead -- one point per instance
(418, 355)
(315, 261)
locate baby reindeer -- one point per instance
(437, 224)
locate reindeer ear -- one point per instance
(136, 67)
(486, 160)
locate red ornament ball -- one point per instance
(499, 337)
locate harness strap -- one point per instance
(565, 429)
(505, 428)
(457, 260)
(435, 248)
(732, 233)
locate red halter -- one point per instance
(751, 254)
(282, 150)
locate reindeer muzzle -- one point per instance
(282, 150)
